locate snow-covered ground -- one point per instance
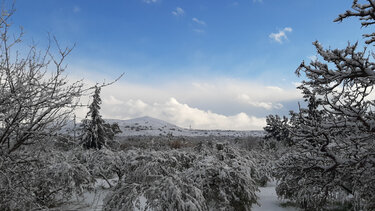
(91, 201)
(269, 201)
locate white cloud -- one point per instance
(200, 22)
(205, 104)
(184, 115)
(150, 1)
(112, 100)
(281, 35)
(268, 105)
(178, 11)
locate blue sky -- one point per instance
(207, 63)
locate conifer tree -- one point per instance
(94, 135)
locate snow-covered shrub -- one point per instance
(199, 179)
(225, 185)
(40, 180)
(104, 163)
(157, 192)
(157, 177)
(264, 161)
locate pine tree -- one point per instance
(94, 135)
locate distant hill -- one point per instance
(149, 126)
(145, 121)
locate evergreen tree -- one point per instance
(94, 135)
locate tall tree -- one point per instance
(334, 137)
(94, 135)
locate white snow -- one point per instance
(268, 200)
(91, 201)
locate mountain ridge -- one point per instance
(150, 126)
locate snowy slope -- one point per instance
(149, 126)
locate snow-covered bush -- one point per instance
(198, 179)
(225, 185)
(264, 161)
(104, 163)
(157, 192)
(41, 179)
(157, 177)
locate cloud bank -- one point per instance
(181, 114)
(204, 104)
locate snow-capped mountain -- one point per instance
(149, 126)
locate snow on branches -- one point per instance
(35, 97)
(365, 12)
(200, 179)
(334, 136)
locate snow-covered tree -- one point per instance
(333, 157)
(36, 99)
(95, 132)
(35, 96)
(278, 129)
